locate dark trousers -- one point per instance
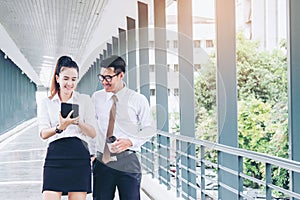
(124, 174)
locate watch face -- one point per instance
(57, 130)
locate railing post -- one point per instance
(268, 181)
(241, 180)
(202, 158)
(177, 163)
(163, 160)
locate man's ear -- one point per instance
(122, 75)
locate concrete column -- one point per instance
(109, 49)
(161, 84)
(122, 48)
(227, 94)
(131, 48)
(115, 46)
(186, 92)
(144, 74)
(293, 87)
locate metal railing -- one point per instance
(185, 171)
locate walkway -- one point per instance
(21, 163)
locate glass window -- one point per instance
(176, 68)
(152, 92)
(152, 68)
(197, 43)
(176, 92)
(175, 44)
(197, 67)
(169, 67)
(209, 44)
(151, 44)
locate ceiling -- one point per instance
(43, 30)
(35, 33)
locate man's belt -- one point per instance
(117, 155)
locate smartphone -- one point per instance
(66, 108)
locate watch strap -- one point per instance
(58, 131)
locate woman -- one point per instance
(67, 169)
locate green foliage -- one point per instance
(254, 126)
(260, 73)
(205, 102)
(205, 85)
(260, 130)
(262, 105)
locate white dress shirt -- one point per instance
(48, 116)
(133, 117)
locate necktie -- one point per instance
(110, 129)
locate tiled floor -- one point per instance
(21, 160)
(21, 163)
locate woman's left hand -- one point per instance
(65, 122)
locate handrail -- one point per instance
(261, 157)
(185, 172)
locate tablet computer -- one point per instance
(66, 108)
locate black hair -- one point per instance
(63, 61)
(114, 61)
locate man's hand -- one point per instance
(120, 145)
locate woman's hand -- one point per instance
(65, 122)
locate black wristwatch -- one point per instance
(58, 131)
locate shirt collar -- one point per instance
(55, 98)
(120, 94)
(109, 95)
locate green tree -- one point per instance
(259, 131)
(260, 73)
(262, 104)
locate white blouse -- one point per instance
(48, 116)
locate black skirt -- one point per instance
(67, 166)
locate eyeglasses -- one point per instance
(107, 78)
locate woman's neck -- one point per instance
(63, 97)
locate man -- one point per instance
(124, 114)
